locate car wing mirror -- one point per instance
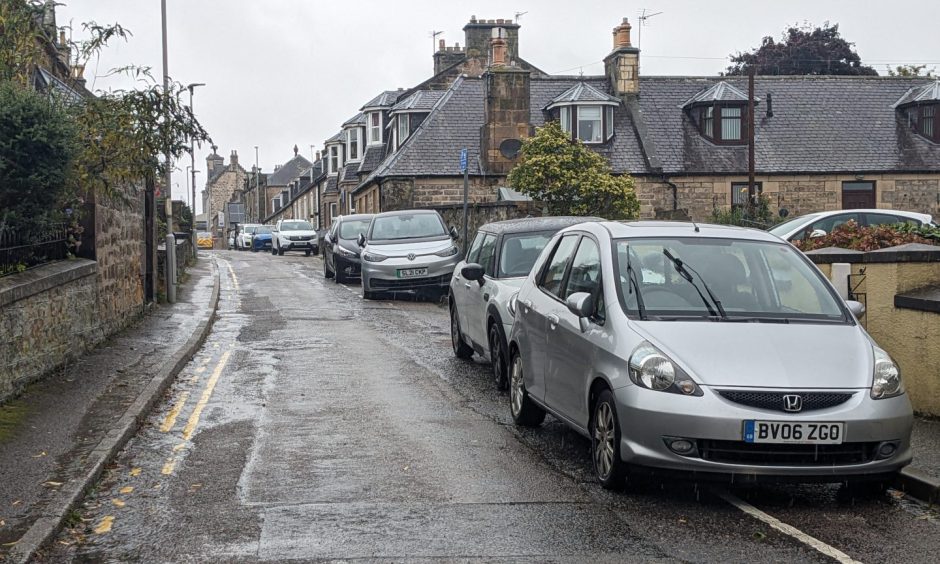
(817, 233)
(582, 305)
(453, 233)
(857, 308)
(361, 240)
(473, 271)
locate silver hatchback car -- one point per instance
(407, 250)
(716, 350)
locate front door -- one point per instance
(858, 195)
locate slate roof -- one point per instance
(582, 93)
(289, 171)
(336, 138)
(420, 101)
(926, 93)
(331, 185)
(821, 124)
(349, 173)
(372, 157)
(720, 92)
(358, 119)
(384, 100)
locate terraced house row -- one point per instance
(821, 142)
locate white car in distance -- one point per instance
(294, 235)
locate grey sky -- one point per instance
(285, 72)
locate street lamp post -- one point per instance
(192, 158)
(257, 190)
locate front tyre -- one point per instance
(327, 273)
(524, 411)
(610, 469)
(461, 349)
(498, 357)
(280, 251)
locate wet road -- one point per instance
(314, 426)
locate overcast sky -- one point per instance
(286, 72)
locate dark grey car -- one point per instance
(340, 250)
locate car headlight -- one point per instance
(886, 382)
(448, 252)
(345, 252)
(511, 304)
(372, 257)
(653, 370)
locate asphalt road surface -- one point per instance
(314, 426)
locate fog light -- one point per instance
(685, 447)
(887, 449)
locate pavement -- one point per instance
(922, 478)
(58, 436)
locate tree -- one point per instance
(570, 179)
(911, 70)
(803, 50)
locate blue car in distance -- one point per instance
(261, 239)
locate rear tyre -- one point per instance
(610, 470)
(461, 349)
(498, 357)
(524, 411)
(307, 253)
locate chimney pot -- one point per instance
(61, 38)
(473, 19)
(622, 35)
(441, 45)
(498, 58)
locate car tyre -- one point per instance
(610, 469)
(307, 253)
(273, 251)
(280, 251)
(461, 349)
(498, 356)
(327, 273)
(340, 277)
(524, 411)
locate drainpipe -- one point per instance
(675, 193)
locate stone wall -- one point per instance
(48, 316)
(799, 194)
(481, 213)
(120, 252)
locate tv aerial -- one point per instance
(643, 17)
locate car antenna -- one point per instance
(695, 225)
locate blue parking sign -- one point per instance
(463, 160)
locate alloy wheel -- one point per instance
(517, 388)
(496, 356)
(604, 437)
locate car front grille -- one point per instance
(300, 237)
(409, 283)
(740, 452)
(774, 400)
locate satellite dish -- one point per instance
(510, 148)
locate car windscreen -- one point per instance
(351, 229)
(263, 230)
(724, 279)
(251, 229)
(519, 252)
(407, 226)
(296, 226)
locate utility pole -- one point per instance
(166, 92)
(257, 192)
(192, 158)
(751, 188)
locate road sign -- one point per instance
(463, 160)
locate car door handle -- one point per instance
(486, 297)
(552, 321)
(466, 285)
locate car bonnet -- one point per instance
(404, 248)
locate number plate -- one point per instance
(823, 433)
(412, 272)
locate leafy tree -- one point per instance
(801, 51)
(911, 70)
(570, 179)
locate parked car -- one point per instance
(204, 240)
(243, 238)
(821, 224)
(405, 251)
(670, 346)
(294, 235)
(261, 240)
(341, 247)
(501, 256)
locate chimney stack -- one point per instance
(479, 33)
(441, 45)
(318, 155)
(78, 75)
(622, 65)
(234, 158)
(506, 114)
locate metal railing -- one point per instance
(24, 248)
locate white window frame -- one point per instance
(564, 117)
(375, 131)
(276, 203)
(599, 131)
(335, 159)
(351, 134)
(402, 119)
(332, 211)
(349, 205)
(608, 124)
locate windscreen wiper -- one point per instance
(683, 270)
(635, 285)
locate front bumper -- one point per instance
(310, 245)
(383, 276)
(259, 245)
(716, 427)
(350, 266)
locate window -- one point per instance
(927, 114)
(554, 273)
(858, 195)
(739, 193)
(349, 204)
(487, 253)
(888, 219)
(407, 226)
(731, 124)
(336, 160)
(565, 117)
(332, 211)
(708, 121)
(585, 269)
(402, 128)
(608, 122)
(275, 204)
(352, 143)
(375, 128)
(520, 253)
(590, 127)
(722, 123)
(474, 251)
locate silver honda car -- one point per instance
(407, 250)
(711, 349)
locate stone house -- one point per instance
(277, 191)
(224, 183)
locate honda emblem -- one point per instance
(792, 403)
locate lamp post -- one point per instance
(166, 92)
(192, 167)
(257, 191)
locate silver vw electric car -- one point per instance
(711, 349)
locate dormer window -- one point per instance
(403, 128)
(722, 123)
(921, 105)
(585, 112)
(352, 144)
(336, 159)
(375, 128)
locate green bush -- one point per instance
(758, 215)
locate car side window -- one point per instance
(487, 254)
(885, 219)
(829, 223)
(585, 269)
(474, 251)
(554, 273)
